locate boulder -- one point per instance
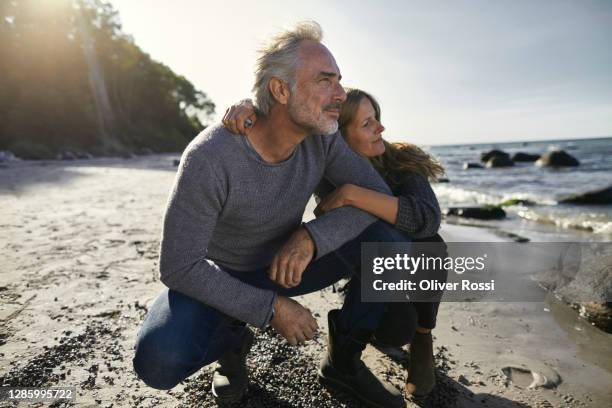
(599, 197)
(467, 165)
(516, 201)
(144, 151)
(443, 180)
(486, 156)
(514, 237)
(583, 279)
(557, 158)
(599, 313)
(85, 155)
(525, 157)
(486, 212)
(500, 161)
(66, 155)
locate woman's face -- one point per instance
(363, 133)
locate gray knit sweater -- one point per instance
(229, 208)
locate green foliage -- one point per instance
(71, 77)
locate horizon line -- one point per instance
(519, 141)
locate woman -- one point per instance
(413, 209)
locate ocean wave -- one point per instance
(453, 195)
(593, 222)
(544, 211)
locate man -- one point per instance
(233, 250)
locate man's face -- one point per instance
(315, 102)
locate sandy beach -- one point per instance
(80, 243)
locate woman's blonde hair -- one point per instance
(399, 159)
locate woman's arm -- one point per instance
(415, 211)
(419, 212)
(378, 204)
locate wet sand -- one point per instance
(79, 245)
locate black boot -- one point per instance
(231, 379)
(342, 369)
(421, 374)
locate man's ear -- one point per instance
(280, 90)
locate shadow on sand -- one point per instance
(18, 176)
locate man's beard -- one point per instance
(318, 125)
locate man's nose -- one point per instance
(340, 93)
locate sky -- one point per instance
(444, 72)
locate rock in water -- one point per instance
(6, 155)
(557, 158)
(500, 161)
(516, 201)
(66, 155)
(144, 151)
(467, 165)
(487, 212)
(525, 157)
(600, 197)
(486, 156)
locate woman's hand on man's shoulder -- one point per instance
(240, 116)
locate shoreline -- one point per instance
(528, 229)
(80, 246)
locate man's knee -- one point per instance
(381, 231)
(350, 253)
(159, 364)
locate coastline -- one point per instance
(546, 200)
(80, 241)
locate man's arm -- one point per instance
(194, 205)
(344, 166)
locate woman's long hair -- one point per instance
(399, 159)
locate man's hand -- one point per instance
(293, 321)
(292, 259)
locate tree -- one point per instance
(72, 80)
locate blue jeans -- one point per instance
(180, 335)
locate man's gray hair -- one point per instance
(279, 59)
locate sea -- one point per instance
(547, 219)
